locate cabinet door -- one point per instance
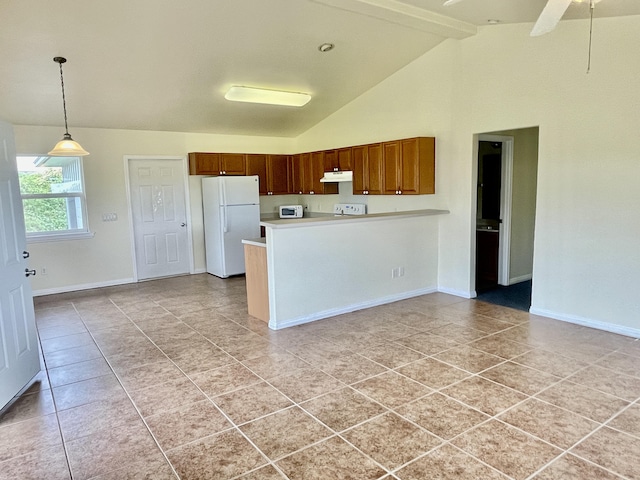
(367, 169)
(345, 159)
(204, 163)
(338, 160)
(316, 173)
(427, 161)
(257, 165)
(375, 162)
(331, 163)
(391, 154)
(278, 174)
(360, 169)
(232, 164)
(297, 179)
(410, 166)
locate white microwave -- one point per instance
(290, 211)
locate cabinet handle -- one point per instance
(25, 254)
(28, 273)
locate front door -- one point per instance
(19, 355)
(158, 211)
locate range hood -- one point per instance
(332, 177)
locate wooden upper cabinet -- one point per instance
(217, 163)
(315, 173)
(418, 165)
(257, 165)
(278, 174)
(345, 159)
(399, 167)
(204, 163)
(338, 160)
(392, 168)
(409, 166)
(295, 168)
(232, 164)
(367, 169)
(273, 171)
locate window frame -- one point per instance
(60, 235)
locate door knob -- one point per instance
(183, 224)
(25, 254)
(28, 273)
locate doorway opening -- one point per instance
(505, 216)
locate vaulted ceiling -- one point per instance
(166, 64)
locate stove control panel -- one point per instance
(349, 209)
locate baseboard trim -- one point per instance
(521, 278)
(84, 286)
(587, 322)
(458, 293)
(350, 308)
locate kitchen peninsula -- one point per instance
(325, 266)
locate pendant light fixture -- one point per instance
(66, 147)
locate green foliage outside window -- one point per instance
(43, 214)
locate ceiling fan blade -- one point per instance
(450, 2)
(550, 16)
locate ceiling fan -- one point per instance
(550, 16)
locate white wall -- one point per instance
(320, 270)
(106, 259)
(586, 256)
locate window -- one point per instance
(53, 199)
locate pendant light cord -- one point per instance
(64, 100)
(592, 6)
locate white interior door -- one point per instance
(159, 216)
(19, 355)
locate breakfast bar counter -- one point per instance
(318, 267)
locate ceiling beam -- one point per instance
(401, 13)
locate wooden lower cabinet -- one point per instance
(255, 262)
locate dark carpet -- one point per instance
(515, 296)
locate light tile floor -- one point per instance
(172, 379)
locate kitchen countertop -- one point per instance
(329, 219)
(256, 242)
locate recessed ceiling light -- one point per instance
(326, 47)
(269, 97)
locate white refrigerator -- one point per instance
(231, 207)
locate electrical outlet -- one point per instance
(43, 270)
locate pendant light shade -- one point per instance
(66, 147)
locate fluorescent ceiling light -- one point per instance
(270, 97)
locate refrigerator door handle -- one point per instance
(223, 200)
